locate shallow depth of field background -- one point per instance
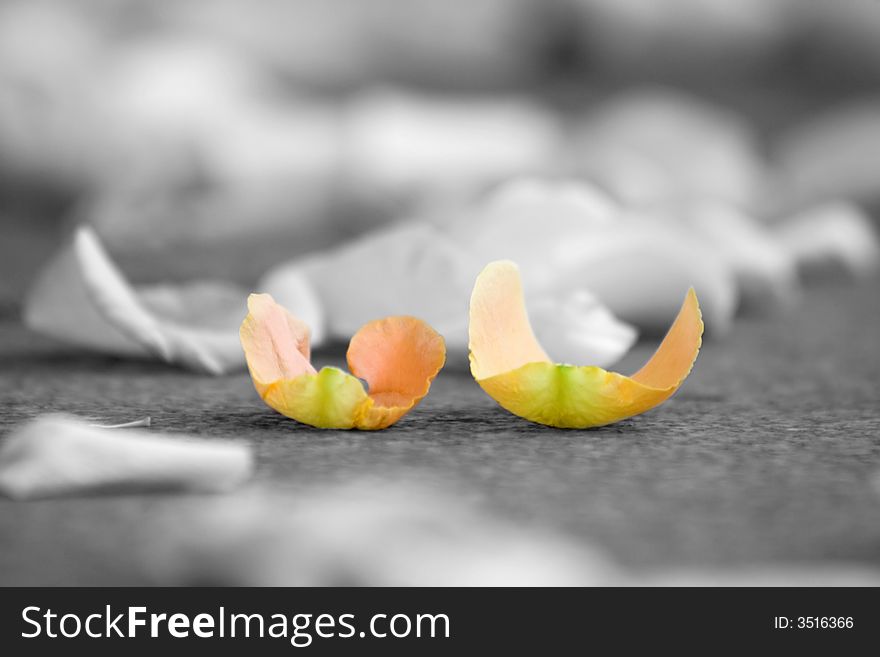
(217, 138)
(206, 128)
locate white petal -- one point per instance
(59, 304)
(402, 270)
(143, 422)
(56, 455)
(564, 236)
(641, 271)
(639, 268)
(558, 200)
(838, 234)
(82, 298)
(652, 146)
(766, 271)
(403, 145)
(574, 327)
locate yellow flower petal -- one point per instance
(510, 365)
(397, 356)
(329, 399)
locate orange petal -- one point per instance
(398, 357)
(675, 356)
(510, 366)
(276, 344)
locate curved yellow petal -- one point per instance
(397, 356)
(511, 367)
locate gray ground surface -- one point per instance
(768, 454)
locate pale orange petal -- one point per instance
(398, 357)
(276, 344)
(675, 356)
(500, 336)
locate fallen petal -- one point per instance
(836, 234)
(510, 365)
(635, 265)
(328, 399)
(654, 146)
(501, 337)
(406, 269)
(569, 238)
(291, 288)
(82, 298)
(638, 272)
(59, 305)
(765, 270)
(577, 328)
(143, 422)
(574, 203)
(404, 146)
(57, 455)
(398, 356)
(275, 342)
